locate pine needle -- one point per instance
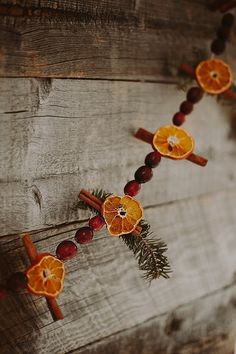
(149, 253)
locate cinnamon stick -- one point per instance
(32, 254)
(187, 69)
(96, 203)
(88, 200)
(93, 197)
(199, 160)
(146, 136)
(54, 309)
(29, 247)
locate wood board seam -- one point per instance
(208, 295)
(148, 207)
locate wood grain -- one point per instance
(128, 40)
(174, 332)
(60, 136)
(104, 292)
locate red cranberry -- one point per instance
(84, 235)
(223, 33)
(178, 119)
(17, 281)
(227, 20)
(3, 293)
(143, 174)
(186, 107)
(153, 159)
(66, 250)
(218, 46)
(96, 223)
(194, 94)
(132, 188)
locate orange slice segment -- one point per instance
(173, 142)
(121, 214)
(46, 277)
(214, 76)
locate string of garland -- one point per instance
(148, 251)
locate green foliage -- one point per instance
(101, 194)
(149, 253)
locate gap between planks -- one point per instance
(153, 318)
(170, 81)
(76, 223)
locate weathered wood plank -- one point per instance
(60, 136)
(128, 40)
(104, 292)
(188, 330)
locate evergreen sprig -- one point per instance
(149, 253)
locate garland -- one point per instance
(123, 215)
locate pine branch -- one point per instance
(149, 254)
(145, 228)
(148, 251)
(99, 193)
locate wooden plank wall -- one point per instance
(77, 79)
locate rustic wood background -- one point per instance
(77, 79)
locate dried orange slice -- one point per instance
(46, 276)
(173, 142)
(121, 214)
(214, 76)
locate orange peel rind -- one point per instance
(46, 276)
(214, 76)
(121, 214)
(173, 142)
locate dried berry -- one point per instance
(186, 107)
(84, 235)
(96, 222)
(143, 174)
(227, 20)
(223, 33)
(132, 188)
(218, 46)
(3, 293)
(17, 281)
(178, 119)
(194, 94)
(66, 250)
(153, 159)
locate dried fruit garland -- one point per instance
(123, 215)
(214, 77)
